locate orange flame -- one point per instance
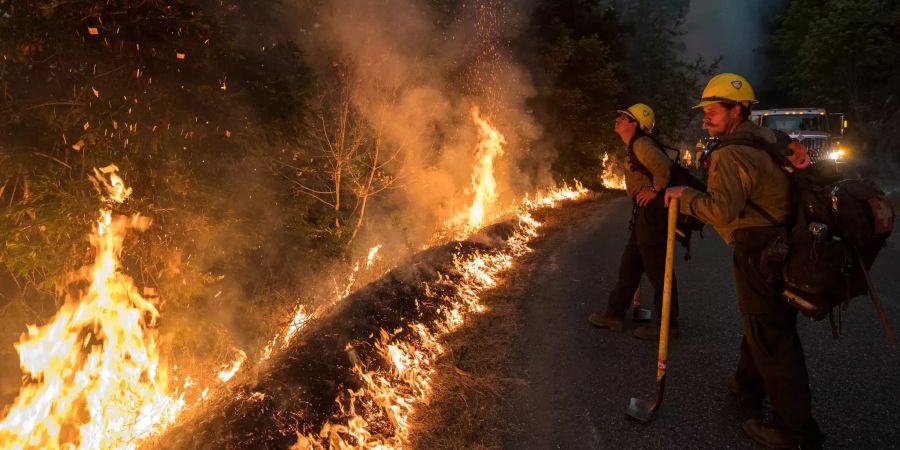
(302, 315)
(484, 186)
(613, 176)
(94, 375)
(409, 358)
(228, 372)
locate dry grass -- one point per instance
(468, 386)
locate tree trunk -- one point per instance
(368, 189)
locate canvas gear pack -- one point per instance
(678, 176)
(839, 226)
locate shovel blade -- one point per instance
(641, 315)
(640, 410)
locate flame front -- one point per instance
(613, 177)
(390, 392)
(94, 375)
(484, 186)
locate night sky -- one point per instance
(733, 29)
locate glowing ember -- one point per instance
(302, 316)
(484, 186)
(300, 319)
(391, 390)
(371, 258)
(227, 372)
(613, 176)
(94, 376)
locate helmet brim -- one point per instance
(746, 103)
(627, 114)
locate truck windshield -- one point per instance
(795, 122)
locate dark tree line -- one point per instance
(591, 58)
(842, 55)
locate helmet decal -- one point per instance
(646, 113)
(737, 84)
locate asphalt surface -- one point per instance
(578, 379)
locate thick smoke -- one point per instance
(415, 73)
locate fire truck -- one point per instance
(821, 132)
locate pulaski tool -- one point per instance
(639, 314)
(643, 410)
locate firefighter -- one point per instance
(647, 171)
(748, 199)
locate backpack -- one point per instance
(838, 228)
(678, 176)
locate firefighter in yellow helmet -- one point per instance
(647, 173)
(748, 202)
(642, 114)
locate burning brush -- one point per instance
(94, 378)
(354, 376)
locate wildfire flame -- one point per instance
(302, 315)
(484, 186)
(613, 176)
(392, 392)
(228, 371)
(94, 373)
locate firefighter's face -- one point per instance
(624, 124)
(719, 120)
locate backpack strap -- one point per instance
(771, 149)
(665, 147)
(765, 214)
(634, 161)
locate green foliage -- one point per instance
(163, 90)
(578, 76)
(843, 55)
(593, 60)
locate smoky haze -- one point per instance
(732, 29)
(414, 73)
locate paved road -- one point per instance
(579, 378)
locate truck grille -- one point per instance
(817, 149)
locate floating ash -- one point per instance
(352, 377)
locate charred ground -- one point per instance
(296, 391)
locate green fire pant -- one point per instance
(644, 253)
(772, 361)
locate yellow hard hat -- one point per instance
(643, 114)
(727, 87)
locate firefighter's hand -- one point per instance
(645, 196)
(673, 192)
